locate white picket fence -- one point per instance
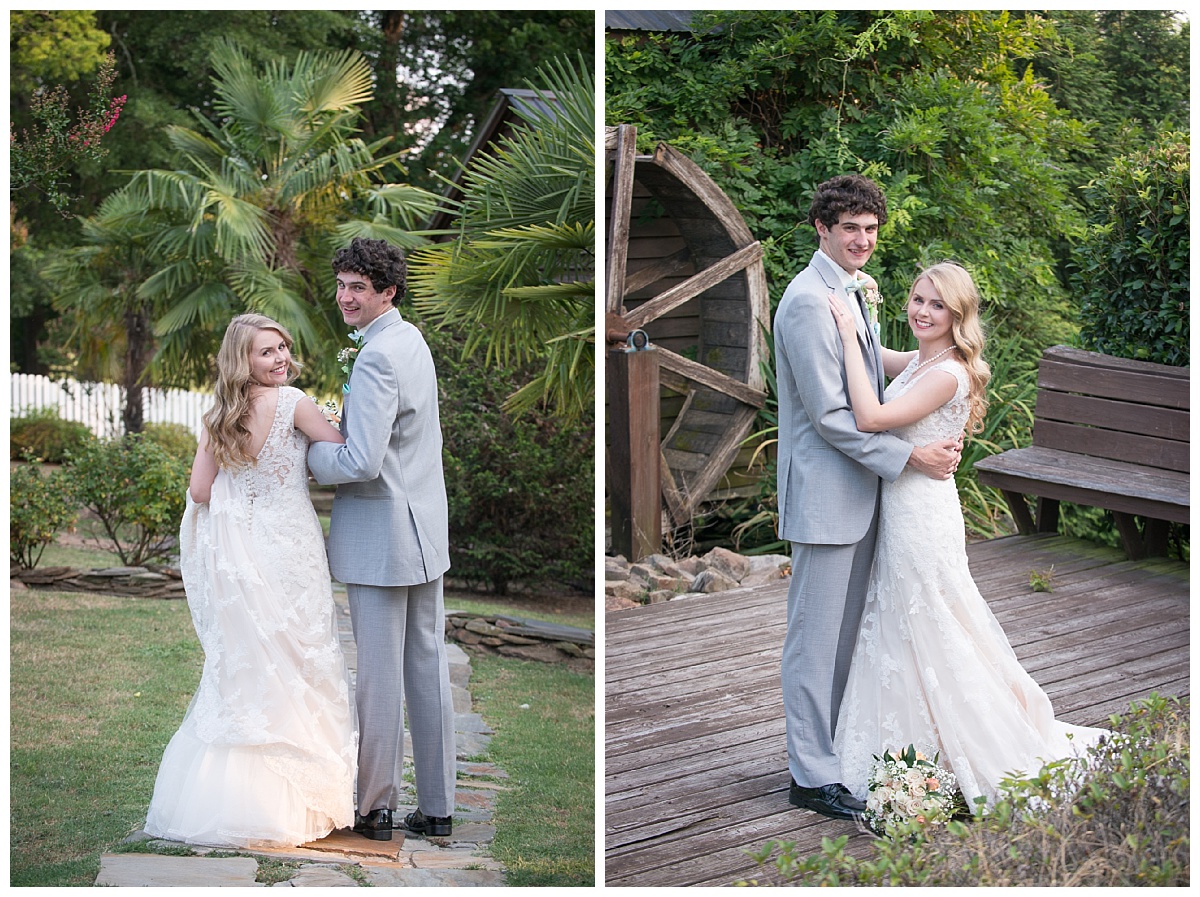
(98, 405)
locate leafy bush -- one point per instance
(1131, 271)
(520, 488)
(39, 506)
(1125, 824)
(40, 433)
(137, 489)
(177, 439)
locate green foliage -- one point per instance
(1132, 268)
(49, 46)
(178, 440)
(137, 489)
(520, 489)
(42, 435)
(969, 150)
(1121, 821)
(40, 504)
(44, 153)
(519, 280)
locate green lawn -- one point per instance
(98, 684)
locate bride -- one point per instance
(265, 755)
(931, 665)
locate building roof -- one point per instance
(510, 103)
(647, 20)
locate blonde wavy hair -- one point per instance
(226, 421)
(961, 298)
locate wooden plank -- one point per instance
(694, 286)
(662, 268)
(1130, 417)
(1094, 442)
(705, 376)
(617, 245)
(1098, 482)
(1126, 385)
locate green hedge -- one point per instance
(520, 489)
(43, 435)
(1131, 271)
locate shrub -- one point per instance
(41, 434)
(137, 489)
(520, 488)
(1131, 271)
(40, 504)
(177, 439)
(1126, 824)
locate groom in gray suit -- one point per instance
(829, 478)
(388, 541)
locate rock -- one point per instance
(713, 580)
(691, 566)
(613, 569)
(670, 583)
(661, 595)
(734, 566)
(623, 589)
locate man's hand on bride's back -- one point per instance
(937, 460)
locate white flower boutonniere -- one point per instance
(873, 298)
(347, 356)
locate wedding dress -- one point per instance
(931, 666)
(266, 753)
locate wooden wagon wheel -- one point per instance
(683, 267)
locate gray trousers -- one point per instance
(825, 605)
(400, 634)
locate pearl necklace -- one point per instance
(949, 348)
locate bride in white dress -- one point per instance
(266, 753)
(932, 666)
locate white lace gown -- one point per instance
(932, 666)
(267, 750)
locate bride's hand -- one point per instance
(843, 318)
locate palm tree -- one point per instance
(519, 280)
(258, 204)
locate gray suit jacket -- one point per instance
(828, 472)
(389, 525)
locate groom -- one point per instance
(388, 542)
(829, 484)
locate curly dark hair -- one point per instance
(850, 193)
(377, 260)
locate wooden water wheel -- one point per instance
(683, 267)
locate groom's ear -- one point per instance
(390, 292)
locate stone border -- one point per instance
(659, 578)
(524, 638)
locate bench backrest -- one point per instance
(1114, 408)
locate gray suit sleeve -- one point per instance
(373, 404)
(814, 350)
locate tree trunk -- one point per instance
(138, 348)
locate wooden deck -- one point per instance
(695, 760)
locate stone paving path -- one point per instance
(345, 859)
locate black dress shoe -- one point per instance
(438, 826)
(833, 800)
(376, 825)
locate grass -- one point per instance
(99, 683)
(97, 686)
(544, 722)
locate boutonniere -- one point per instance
(873, 298)
(347, 356)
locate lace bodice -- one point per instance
(281, 463)
(943, 423)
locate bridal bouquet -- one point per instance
(908, 786)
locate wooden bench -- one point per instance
(1109, 433)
